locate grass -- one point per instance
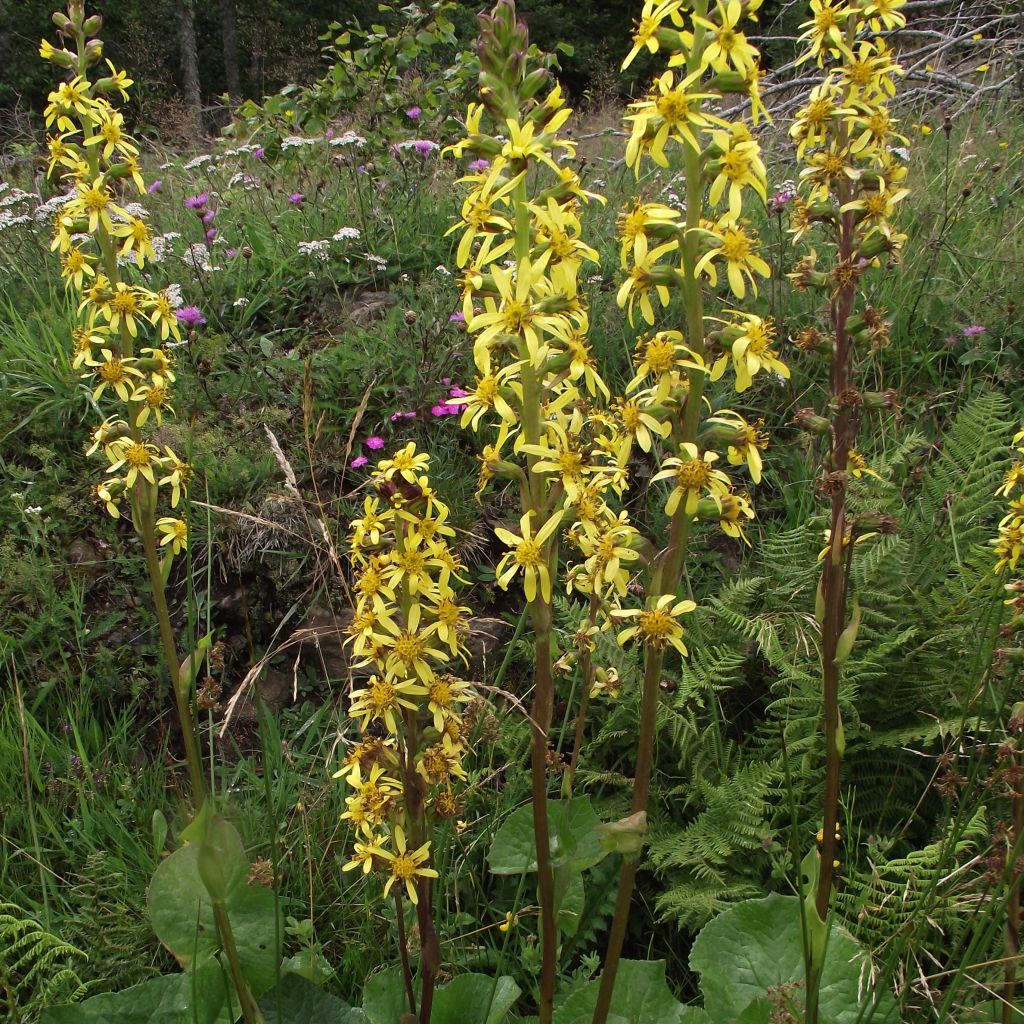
(292, 343)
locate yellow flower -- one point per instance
(645, 36)
(858, 465)
(155, 399)
(110, 492)
(824, 31)
(1008, 546)
(486, 396)
(637, 425)
(657, 625)
(382, 698)
(137, 239)
(740, 167)
(175, 533)
(75, 265)
(405, 463)
(124, 305)
(734, 508)
(139, 457)
(732, 242)
(672, 112)
(751, 351)
(645, 277)
(694, 476)
(178, 475)
(114, 372)
(405, 866)
(727, 47)
(110, 136)
(527, 556)
(662, 356)
(362, 856)
(639, 224)
(95, 202)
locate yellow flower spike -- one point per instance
(657, 625)
(405, 865)
(527, 557)
(175, 533)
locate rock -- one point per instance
(371, 306)
(275, 690)
(86, 557)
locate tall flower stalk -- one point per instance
(554, 429)
(665, 251)
(125, 329)
(408, 625)
(851, 183)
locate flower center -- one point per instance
(137, 456)
(693, 475)
(735, 245)
(408, 647)
(656, 625)
(528, 553)
(660, 355)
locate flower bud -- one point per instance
(874, 246)
(93, 51)
(808, 419)
(533, 83)
(246, 252)
(625, 836)
(92, 24)
(730, 82)
(63, 23)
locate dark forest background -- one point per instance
(250, 48)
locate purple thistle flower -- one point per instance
(208, 217)
(359, 460)
(413, 113)
(155, 186)
(458, 317)
(190, 316)
(329, 134)
(424, 147)
(198, 202)
(974, 330)
(230, 253)
(211, 235)
(479, 165)
(296, 199)
(374, 443)
(260, 153)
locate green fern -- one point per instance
(36, 967)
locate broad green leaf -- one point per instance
(474, 999)
(467, 999)
(384, 999)
(194, 998)
(571, 907)
(641, 996)
(756, 946)
(182, 914)
(302, 1002)
(575, 838)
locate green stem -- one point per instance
(668, 568)
(1013, 909)
(540, 616)
(250, 1011)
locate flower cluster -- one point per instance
(124, 330)
(1010, 540)
(846, 136)
(407, 629)
(709, 58)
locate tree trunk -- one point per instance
(229, 40)
(189, 63)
